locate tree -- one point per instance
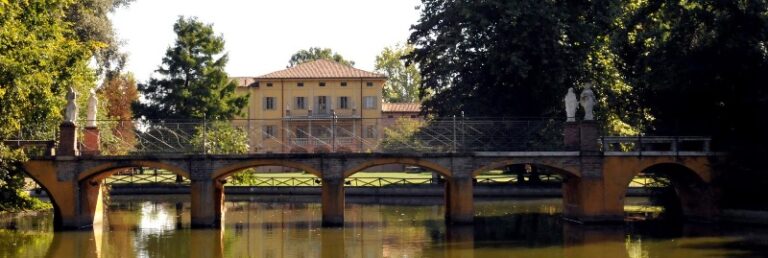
(194, 84)
(402, 136)
(91, 23)
(117, 94)
(220, 137)
(315, 53)
(504, 58)
(39, 57)
(403, 80)
(700, 67)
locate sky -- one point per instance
(260, 36)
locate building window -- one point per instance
(322, 104)
(300, 84)
(343, 84)
(369, 84)
(269, 84)
(369, 102)
(269, 103)
(390, 116)
(370, 131)
(413, 116)
(322, 84)
(344, 102)
(255, 84)
(301, 103)
(269, 131)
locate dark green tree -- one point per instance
(700, 66)
(505, 58)
(315, 53)
(193, 83)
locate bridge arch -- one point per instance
(566, 171)
(691, 182)
(102, 171)
(234, 168)
(440, 169)
(44, 176)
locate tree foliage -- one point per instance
(700, 67)
(403, 79)
(193, 83)
(504, 58)
(315, 53)
(91, 23)
(402, 136)
(221, 137)
(40, 56)
(117, 94)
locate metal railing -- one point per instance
(347, 134)
(334, 134)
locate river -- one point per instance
(159, 226)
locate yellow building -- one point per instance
(318, 106)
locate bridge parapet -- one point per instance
(656, 146)
(443, 135)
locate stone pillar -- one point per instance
(589, 136)
(571, 136)
(206, 200)
(91, 203)
(459, 203)
(91, 142)
(67, 140)
(588, 200)
(333, 202)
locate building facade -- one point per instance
(317, 106)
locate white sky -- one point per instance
(260, 36)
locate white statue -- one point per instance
(588, 101)
(571, 104)
(70, 115)
(93, 102)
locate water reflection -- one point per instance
(520, 228)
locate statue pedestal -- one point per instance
(571, 136)
(589, 136)
(67, 140)
(91, 141)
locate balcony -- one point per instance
(305, 114)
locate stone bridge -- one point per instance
(596, 176)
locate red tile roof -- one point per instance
(401, 107)
(320, 69)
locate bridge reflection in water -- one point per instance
(521, 228)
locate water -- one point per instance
(290, 227)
